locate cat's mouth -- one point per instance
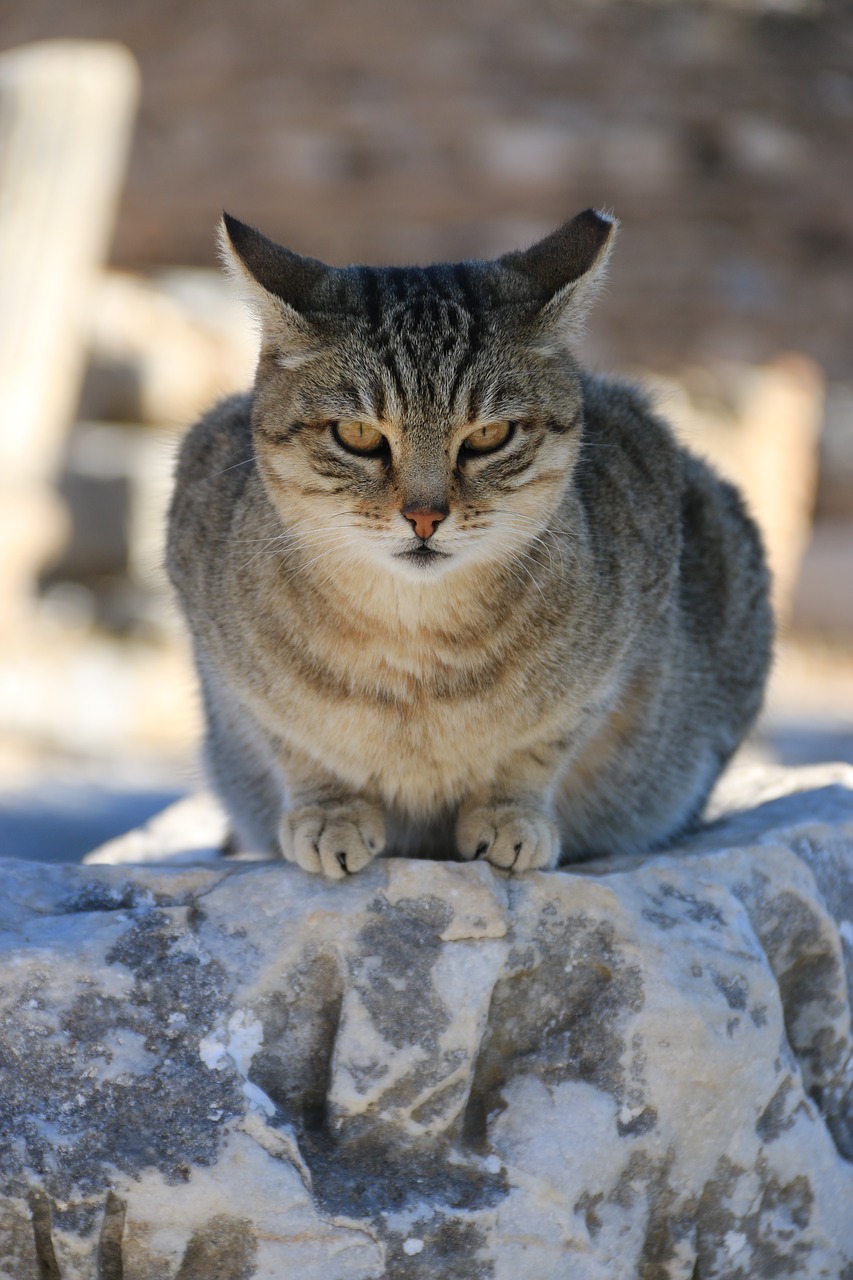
(422, 555)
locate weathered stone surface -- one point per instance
(226, 1070)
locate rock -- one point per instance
(639, 1069)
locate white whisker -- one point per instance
(242, 463)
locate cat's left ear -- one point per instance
(566, 270)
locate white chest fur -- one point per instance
(418, 716)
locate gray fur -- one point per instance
(565, 678)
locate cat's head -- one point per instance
(421, 419)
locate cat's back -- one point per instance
(675, 520)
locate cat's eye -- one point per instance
(489, 437)
(358, 437)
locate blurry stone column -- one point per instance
(782, 413)
(66, 115)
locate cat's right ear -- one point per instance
(280, 285)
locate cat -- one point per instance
(448, 594)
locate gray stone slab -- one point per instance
(435, 1070)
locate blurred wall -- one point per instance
(370, 130)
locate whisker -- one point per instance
(295, 532)
(242, 463)
(285, 540)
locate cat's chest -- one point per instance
(421, 720)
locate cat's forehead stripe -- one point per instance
(380, 400)
(422, 291)
(425, 328)
(370, 289)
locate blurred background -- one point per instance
(719, 133)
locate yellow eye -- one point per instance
(358, 437)
(489, 437)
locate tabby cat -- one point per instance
(449, 595)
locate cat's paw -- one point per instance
(513, 837)
(334, 841)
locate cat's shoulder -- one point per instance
(617, 407)
(622, 417)
(218, 440)
(215, 462)
(629, 438)
(627, 443)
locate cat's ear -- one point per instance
(281, 285)
(565, 270)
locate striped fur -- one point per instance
(568, 671)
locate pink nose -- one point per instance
(424, 520)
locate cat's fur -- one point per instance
(567, 680)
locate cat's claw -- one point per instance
(332, 841)
(512, 837)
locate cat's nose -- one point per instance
(424, 520)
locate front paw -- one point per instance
(335, 841)
(510, 836)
